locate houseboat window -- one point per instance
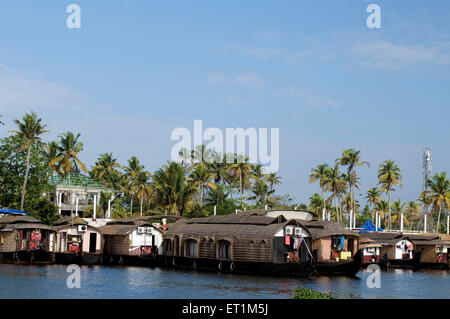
(191, 248)
(2, 238)
(224, 249)
(168, 245)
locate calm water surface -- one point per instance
(20, 281)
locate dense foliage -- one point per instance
(304, 293)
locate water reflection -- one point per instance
(139, 282)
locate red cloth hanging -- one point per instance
(287, 240)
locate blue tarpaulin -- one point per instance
(12, 211)
(368, 226)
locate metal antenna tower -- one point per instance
(426, 167)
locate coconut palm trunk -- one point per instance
(27, 168)
(240, 188)
(142, 202)
(439, 219)
(324, 205)
(389, 209)
(131, 206)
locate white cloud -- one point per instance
(254, 81)
(19, 92)
(308, 97)
(387, 55)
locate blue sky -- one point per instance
(138, 69)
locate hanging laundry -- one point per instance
(287, 240)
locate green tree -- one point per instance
(105, 169)
(320, 173)
(29, 130)
(335, 183)
(388, 176)
(351, 158)
(241, 169)
(142, 187)
(439, 194)
(412, 211)
(373, 197)
(202, 178)
(172, 191)
(12, 172)
(68, 150)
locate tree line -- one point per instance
(191, 186)
(338, 194)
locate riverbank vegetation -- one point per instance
(201, 181)
(304, 293)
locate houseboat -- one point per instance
(370, 251)
(25, 240)
(433, 251)
(77, 242)
(397, 251)
(131, 241)
(335, 248)
(242, 243)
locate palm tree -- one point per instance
(351, 159)
(105, 169)
(51, 153)
(425, 202)
(335, 183)
(397, 208)
(142, 187)
(29, 131)
(412, 211)
(201, 177)
(388, 176)
(320, 173)
(185, 155)
(439, 194)
(172, 191)
(260, 192)
(257, 172)
(241, 168)
(316, 204)
(273, 179)
(68, 150)
(382, 206)
(133, 169)
(373, 196)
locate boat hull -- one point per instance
(226, 266)
(343, 268)
(127, 260)
(28, 257)
(79, 259)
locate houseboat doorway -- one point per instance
(92, 242)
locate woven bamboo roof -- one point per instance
(10, 227)
(321, 228)
(368, 243)
(262, 228)
(67, 220)
(237, 219)
(123, 229)
(12, 219)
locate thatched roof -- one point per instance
(321, 228)
(124, 228)
(10, 227)
(238, 227)
(237, 219)
(67, 220)
(13, 219)
(386, 238)
(368, 243)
